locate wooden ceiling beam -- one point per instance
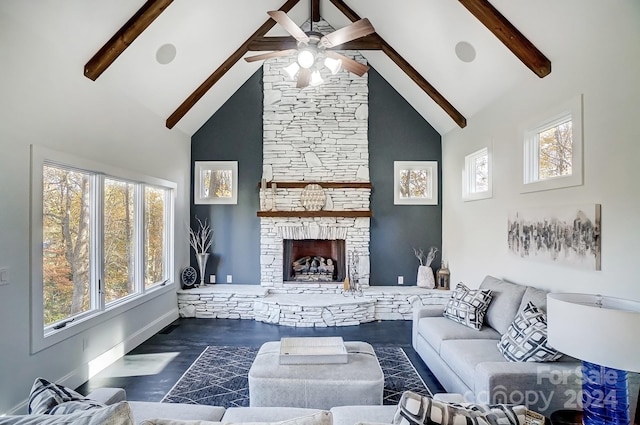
(124, 37)
(406, 67)
(509, 35)
(186, 106)
(369, 42)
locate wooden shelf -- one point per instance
(325, 185)
(349, 214)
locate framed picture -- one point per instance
(215, 182)
(415, 182)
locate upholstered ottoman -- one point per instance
(321, 386)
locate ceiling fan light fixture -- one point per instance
(292, 70)
(316, 79)
(306, 58)
(333, 65)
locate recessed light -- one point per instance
(465, 51)
(166, 54)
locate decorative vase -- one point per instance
(202, 265)
(425, 277)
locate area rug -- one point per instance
(219, 377)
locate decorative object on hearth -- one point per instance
(201, 240)
(188, 277)
(425, 277)
(443, 276)
(352, 284)
(601, 331)
(313, 197)
(313, 53)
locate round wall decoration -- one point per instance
(313, 197)
(188, 277)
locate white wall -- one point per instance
(46, 100)
(596, 55)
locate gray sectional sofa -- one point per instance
(468, 361)
(142, 411)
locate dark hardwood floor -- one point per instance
(149, 371)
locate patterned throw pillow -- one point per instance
(468, 306)
(53, 399)
(526, 338)
(115, 414)
(415, 409)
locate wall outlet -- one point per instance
(229, 278)
(212, 278)
(400, 280)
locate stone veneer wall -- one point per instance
(314, 134)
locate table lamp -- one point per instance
(603, 333)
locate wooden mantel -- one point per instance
(321, 213)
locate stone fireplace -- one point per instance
(315, 135)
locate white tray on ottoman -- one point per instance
(313, 350)
(320, 386)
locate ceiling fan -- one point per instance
(312, 51)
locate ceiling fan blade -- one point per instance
(350, 32)
(287, 23)
(304, 76)
(349, 64)
(264, 56)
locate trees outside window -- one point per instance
(104, 239)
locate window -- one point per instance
(415, 182)
(101, 237)
(476, 176)
(216, 182)
(552, 149)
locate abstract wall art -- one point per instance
(567, 235)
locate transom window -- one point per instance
(476, 176)
(101, 237)
(552, 149)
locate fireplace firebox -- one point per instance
(313, 260)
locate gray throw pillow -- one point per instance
(49, 398)
(468, 306)
(416, 409)
(526, 338)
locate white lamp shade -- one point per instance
(334, 65)
(596, 329)
(292, 70)
(306, 58)
(316, 78)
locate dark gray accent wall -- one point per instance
(234, 133)
(396, 133)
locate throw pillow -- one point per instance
(322, 417)
(415, 409)
(53, 399)
(526, 338)
(468, 306)
(115, 414)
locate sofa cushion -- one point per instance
(468, 306)
(54, 399)
(526, 338)
(463, 355)
(414, 409)
(318, 418)
(504, 304)
(435, 330)
(536, 296)
(350, 415)
(116, 414)
(265, 414)
(143, 410)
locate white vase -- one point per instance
(425, 277)
(202, 265)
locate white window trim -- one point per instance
(432, 166)
(41, 339)
(529, 145)
(468, 176)
(201, 166)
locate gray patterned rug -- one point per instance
(218, 377)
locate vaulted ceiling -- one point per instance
(421, 47)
